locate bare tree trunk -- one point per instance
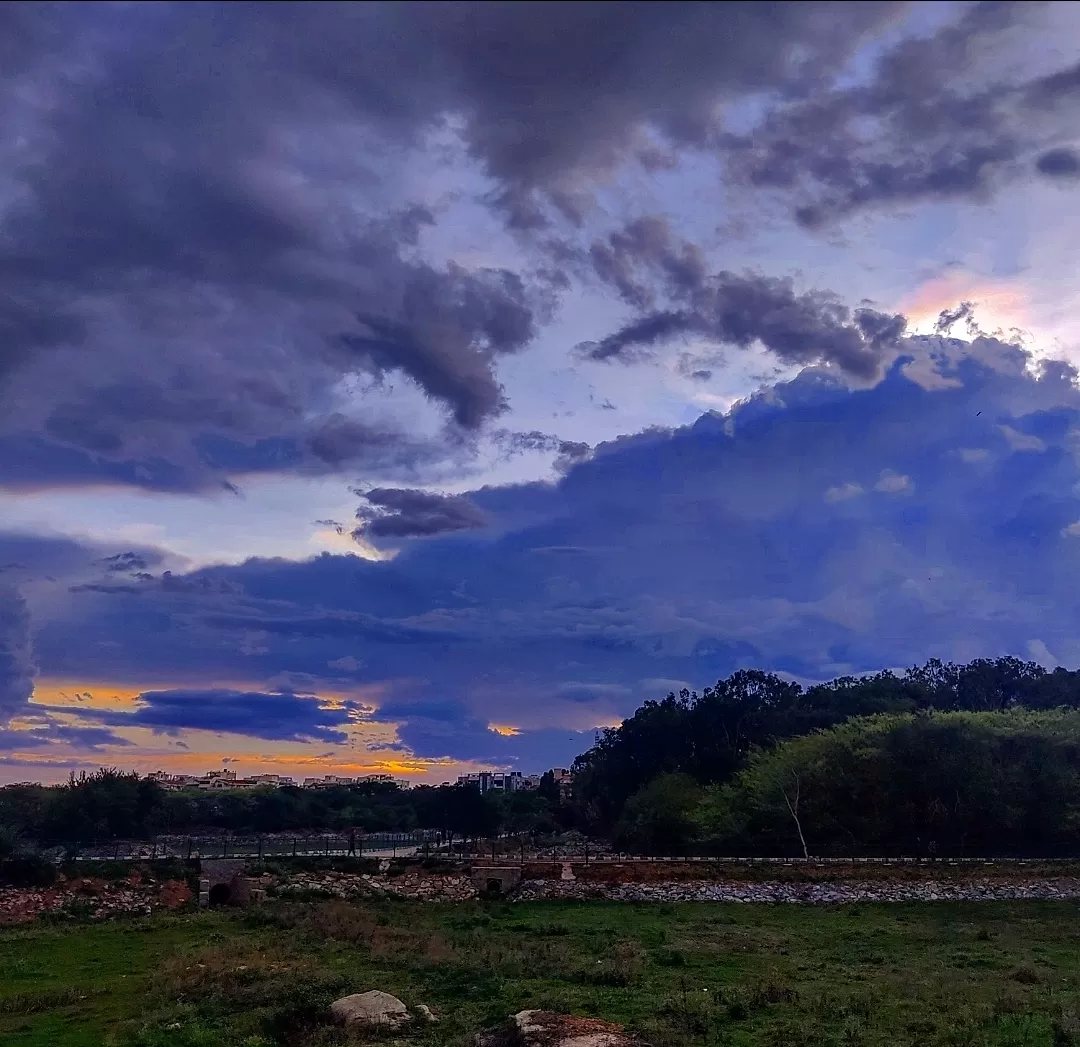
(794, 809)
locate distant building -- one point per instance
(224, 779)
(494, 781)
(328, 781)
(227, 779)
(172, 782)
(272, 779)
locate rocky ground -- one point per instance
(417, 886)
(100, 899)
(835, 892)
(443, 888)
(92, 898)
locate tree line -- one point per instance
(754, 765)
(928, 784)
(941, 759)
(109, 804)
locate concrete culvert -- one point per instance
(494, 887)
(220, 894)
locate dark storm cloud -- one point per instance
(552, 92)
(45, 732)
(740, 310)
(166, 211)
(273, 716)
(206, 221)
(202, 219)
(936, 119)
(391, 512)
(632, 258)
(1059, 163)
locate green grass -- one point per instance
(681, 975)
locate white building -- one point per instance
(494, 781)
(278, 780)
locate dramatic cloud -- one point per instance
(211, 224)
(350, 248)
(550, 93)
(937, 118)
(183, 257)
(815, 529)
(273, 716)
(730, 309)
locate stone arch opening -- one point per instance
(494, 888)
(220, 894)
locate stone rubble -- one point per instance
(414, 886)
(92, 898)
(102, 899)
(836, 892)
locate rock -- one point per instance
(550, 1029)
(425, 1012)
(371, 1009)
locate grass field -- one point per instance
(681, 975)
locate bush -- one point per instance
(660, 818)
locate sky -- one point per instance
(419, 388)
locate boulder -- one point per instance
(370, 1008)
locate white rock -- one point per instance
(370, 1008)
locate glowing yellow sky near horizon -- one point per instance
(195, 751)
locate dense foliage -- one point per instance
(709, 736)
(924, 784)
(108, 805)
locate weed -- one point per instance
(1025, 974)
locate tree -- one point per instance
(710, 736)
(792, 802)
(991, 783)
(660, 818)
